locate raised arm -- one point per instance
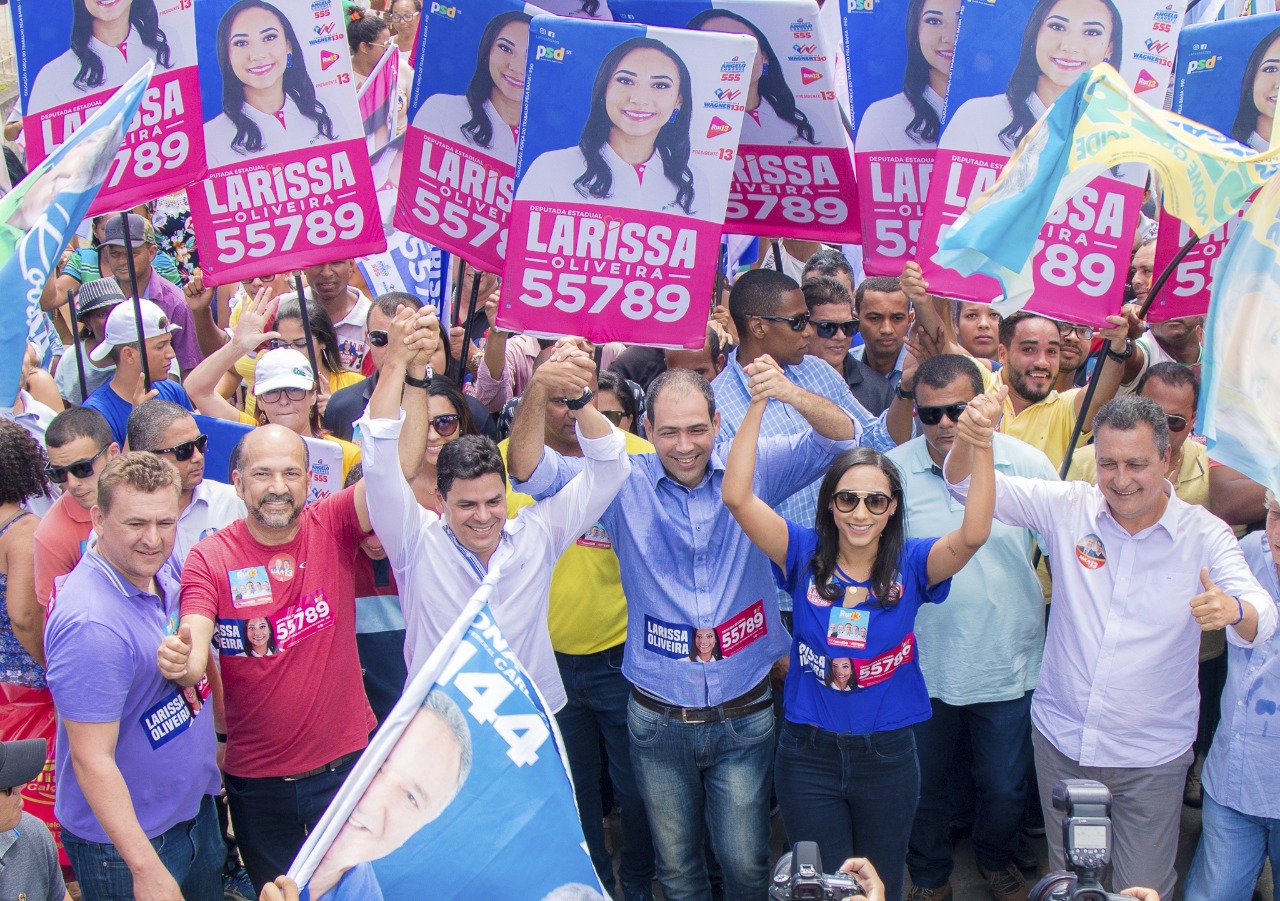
(974, 436)
(1117, 333)
(200, 302)
(528, 432)
(766, 529)
(250, 332)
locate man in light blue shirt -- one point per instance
(702, 627)
(980, 651)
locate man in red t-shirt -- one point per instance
(275, 592)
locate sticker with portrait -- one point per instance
(847, 628)
(250, 586)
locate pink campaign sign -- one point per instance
(163, 150)
(1186, 293)
(1081, 261)
(800, 192)
(892, 188)
(286, 211)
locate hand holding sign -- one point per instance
(1213, 608)
(173, 654)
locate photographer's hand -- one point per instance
(1142, 894)
(862, 870)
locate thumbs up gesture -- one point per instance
(1212, 608)
(174, 652)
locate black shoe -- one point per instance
(1025, 858)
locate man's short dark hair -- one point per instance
(829, 262)
(1009, 325)
(681, 381)
(1175, 375)
(713, 344)
(1127, 412)
(940, 371)
(757, 293)
(468, 457)
(823, 289)
(78, 422)
(391, 301)
(150, 420)
(881, 284)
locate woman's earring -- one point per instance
(764, 69)
(675, 114)
(288, 60)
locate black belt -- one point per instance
(329, 767)
(755, 700)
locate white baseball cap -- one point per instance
(283, 367)
(122, 327)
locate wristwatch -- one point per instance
(905, 393)
(579, 402)
(423, 382)
(1128, 351)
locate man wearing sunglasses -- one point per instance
(979, 652)
(79, 444)
(834, 325)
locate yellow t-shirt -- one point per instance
(1046, 425)
(350, 452)
(587, 612)
(1192, 485)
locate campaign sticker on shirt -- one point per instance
(742, 629)
(815, 598)
(167, 719)
(249, 586)
(848, 628)
(282, 567)
(252, 637)
(595, 537)
(309, 617)
(812, 659)
(1090, 552)
(668, 639)
(874, 671)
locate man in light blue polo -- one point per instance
(980, 651)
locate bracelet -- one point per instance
(905, 393)
(1240, 607)
(424, 382)
(579, 402)
(1121, 357)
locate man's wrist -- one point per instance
(1125, 351)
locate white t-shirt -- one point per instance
(645, 187)
(445, 114)
(283, 131)
(54, 84)
(884, 124)
(213, 506)
(977, 124)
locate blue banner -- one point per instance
(410, 265)
(1227, 76)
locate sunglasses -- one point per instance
(798, 322)
(614, 416)
(1176, 423)
(273, 397)
(1083, 332)
(378, 337)
(445, 425)
(81, 469)
(184, 451)
(933, 415)
(848, 501)
(278, 343)
(827, 328)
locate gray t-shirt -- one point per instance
(29, 863)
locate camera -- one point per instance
(1086, 841)
(798, 876)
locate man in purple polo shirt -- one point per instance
(135, 761)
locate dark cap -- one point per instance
(96, 295)
(21, 761)
(140, 231)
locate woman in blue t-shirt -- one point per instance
(846, 770)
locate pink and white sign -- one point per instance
(1186, 293)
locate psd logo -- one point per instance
(1202, 65)
(861, 6)
(808, 76)
(727, 94)
(805, 49)
(327, 59)
(548, 53)
(325, 29)
(1146, 82)
(449, 12)
(1157, 46)
(718, 127)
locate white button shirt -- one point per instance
(213, 506)
(1118, 686)
(437, 576)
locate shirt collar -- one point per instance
(1169, 519)
(123, 585)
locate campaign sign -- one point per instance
(73, 55)
(378, 100)
(794, 170)
(289, 181)
(459, 158)
(410, 265)
(1227, 77)
(462, 793)
(622, 184)
(901, 89)
(1032, 52)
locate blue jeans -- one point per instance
(597, 708)
(852, 794)
(696, 776)
(272, 817)
(191, 851)
(1000, 738)
(1229, 858)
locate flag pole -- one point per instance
(306, 327)
(75, 339)
(137, 300)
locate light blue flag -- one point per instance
(39, 216)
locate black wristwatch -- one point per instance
(1121, 357)
(905, 393)
(423, 382)
(580, 402)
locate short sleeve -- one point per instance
(801, 544)
(916, 568)
(337, 515)
(174, 392)
(199, 592)
(102, 698)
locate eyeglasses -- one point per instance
(81, 469)
(877, 501)
(378, 337)
(614, 416)
(1084, 332)
(798, 322)
(401, 18)
(184, 451)
(445, 425)
(278, 343)
(273, 397)
(1176, 423)
(827, 328)
(933, 415)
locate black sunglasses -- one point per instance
(933, 415)
(378, 337)
(827, 328)
(847, 501)
(614, 416)
(1176, 423)
(445, 425)
(81, 469)
(184, 451)
(798, 322)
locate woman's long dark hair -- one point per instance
(297, 83)
(672, 142)
(1247, 118)
(481, 86)
(143, 18)
(925, 124)
(773, 86)
(1026, 75)
(440, 386)
(884, 572)
(323, 332)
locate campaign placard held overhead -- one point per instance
(459, 158)
(289, 181)
(793, 176)
(1012, 60)
(73, 55)
(1228, 76)
(623, 181)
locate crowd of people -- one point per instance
(826, 562)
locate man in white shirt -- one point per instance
(441, 561)
(1138, 575)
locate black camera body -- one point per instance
(1086, 841)
(798, 876)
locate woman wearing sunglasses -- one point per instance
(615, 401)
(846, 766)
(448, 419)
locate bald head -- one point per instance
(273, 477)
(272, 440)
